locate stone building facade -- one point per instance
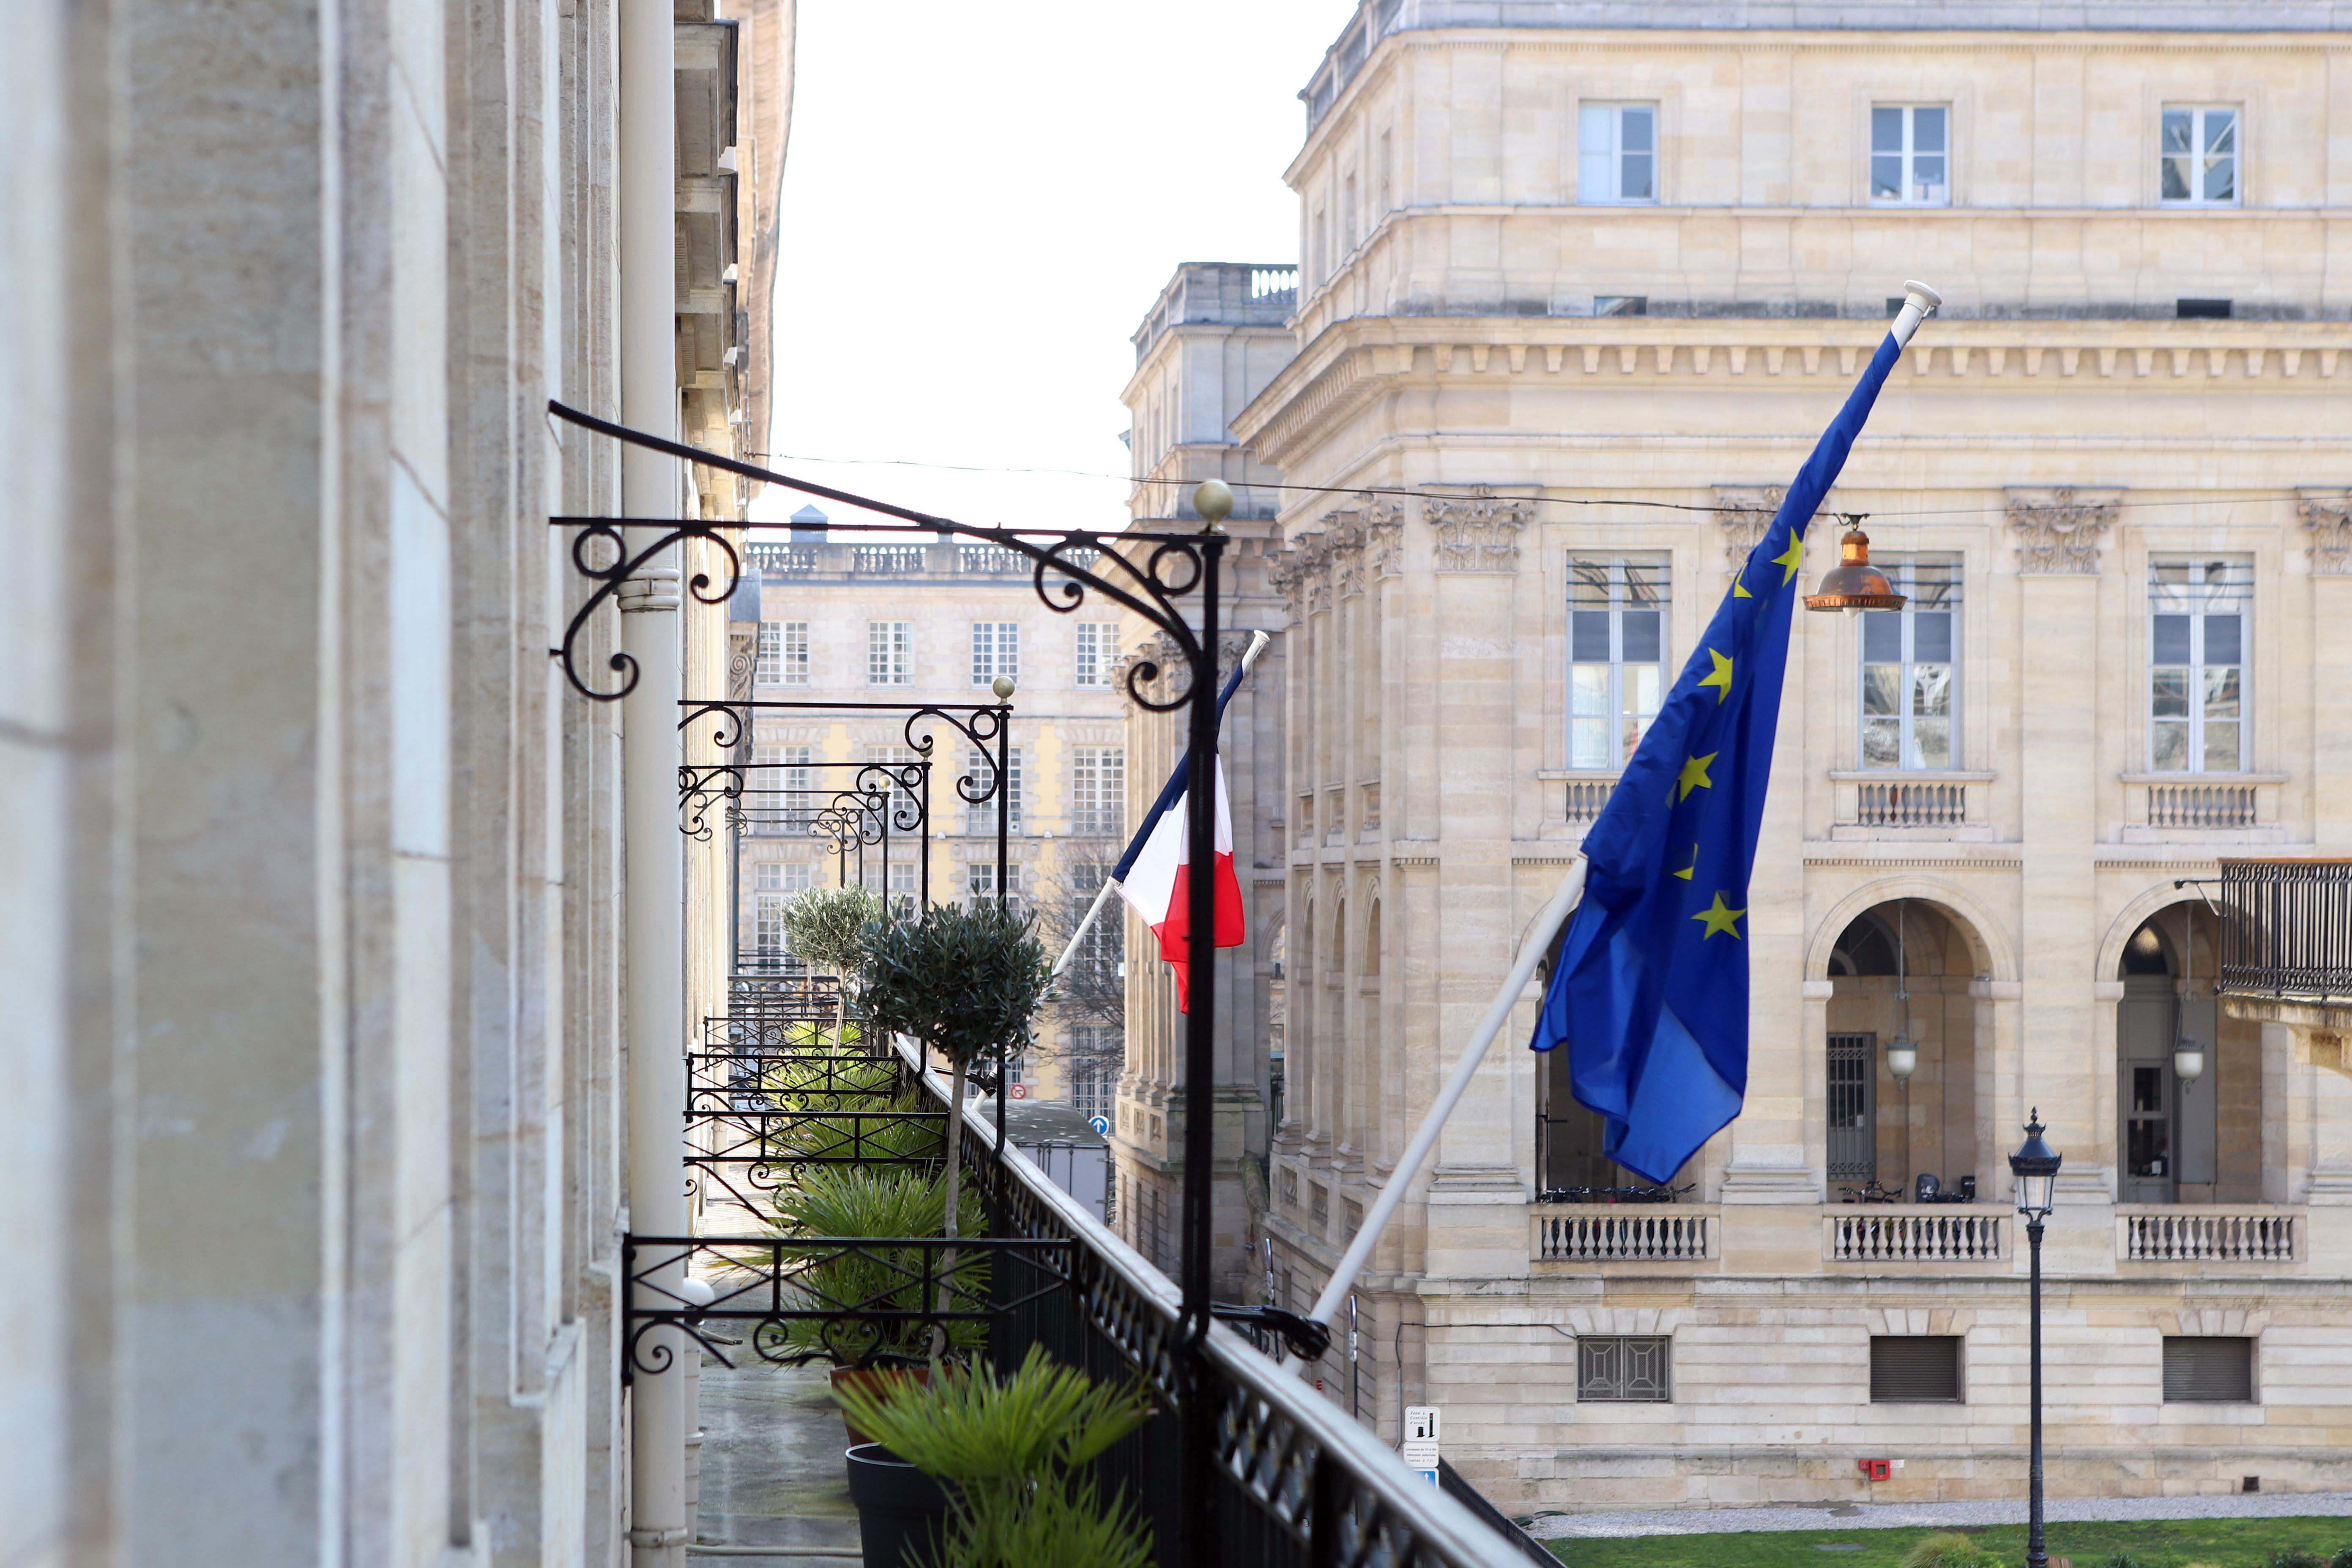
(858, 619)
(313, 1147)
(1581, 291)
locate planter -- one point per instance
(878, 1380)
(902, 1513)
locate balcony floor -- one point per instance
(772, 1473)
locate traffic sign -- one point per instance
(1101, 1124)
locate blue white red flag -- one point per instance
(1155, 875)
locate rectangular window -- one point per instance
(1853, 1107)
(792, 653)
(2208, 1370)
(890, 653)
(995, 650)
(1617, 152)
(2197, 614)
(1617, 656)
(979, 882)
(907, 806)
(1624, 1367)
(778, 795)
(1098, 790)
(1910, 659)
(768, 928)
(1097, 653)
(768, 876)
(1915, 1369)
(1910, 155)
(979, 817)
(2199, 161)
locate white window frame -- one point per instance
(1906, 574)
(1912, 191)
(792, 652)
(995, 650)
(890, 653)
(1097, 654)
(1602, 158)
(2199, 159)
(1658, 573)
(767, 939)
(1098, 791)
(979, 817)
(770, 669)
(2219, 586)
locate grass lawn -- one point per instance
(2154, 1544)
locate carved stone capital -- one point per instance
(1384, 537)
(2059, 531)
(2328, 522)
(1744, 513)
(1478, 533)
(1345, 529)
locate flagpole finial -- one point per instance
(1920, 302)
(1213, 499)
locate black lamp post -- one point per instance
(2035, 1168)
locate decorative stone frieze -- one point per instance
(1744, 513)
(1384, 537)
(2059, 531)
(1478, 533)
(2328, 520)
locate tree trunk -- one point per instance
(954, 1183)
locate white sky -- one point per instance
(980, 202)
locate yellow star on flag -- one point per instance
(1694, 775)
(1722, 676)
(1685, 872)
(1720, 918)
(1792, 558)
(1739, 589)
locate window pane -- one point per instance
(1629, 736)
(2221, 131)
(1887, 177)
(1927, 177)
(1926, 130)
(2177, 130)
(1636, 129)
(1886, 130)
(1932, 740)
(1881, 637)
(1882, 742)
(1596, 143)
(1881, 689)
(2168, 748)
(1642, 683)
(1589, 743)
(1931, 637)
(1634, 182)
(2221, 639)
(1640, 630)
(1588, 636)
(2222, 752)
(1588, 687)
(2169, 694)
(2221, 692)
(2170, 643)
(1931, 690)
(2176, 179)
(2221, 179)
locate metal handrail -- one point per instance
(2286, 927)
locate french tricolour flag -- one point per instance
(1155, 875)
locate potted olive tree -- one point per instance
(965, 983)
(827, 927)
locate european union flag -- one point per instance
(1650, 991)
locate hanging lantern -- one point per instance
(1854, 584)
(1902, 1057)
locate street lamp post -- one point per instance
(2035, 1169)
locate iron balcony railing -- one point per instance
(2286, 929)
(1298, 1484)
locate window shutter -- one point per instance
(2209, 1369)
(1910, 1368)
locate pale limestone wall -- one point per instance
(1449, 356)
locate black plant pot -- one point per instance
(902, 1513)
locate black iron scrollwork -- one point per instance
(623, 565)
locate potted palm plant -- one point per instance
(984, 1471)
(827, 927)
(964, 982)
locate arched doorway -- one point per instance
(2183, 1139)
(1902, 1070)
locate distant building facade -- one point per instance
(1582, 284)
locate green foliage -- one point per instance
(2291, 1557)
(2122, 1560)
(965, 982)
(846, 1201)
(2155, 1543)
(1949, 1551)
(828, 926)
(1011, 1446)
(828, 1087)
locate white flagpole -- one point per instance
(1531, 952)
(1110, 884)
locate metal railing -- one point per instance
(2286, 927)
(1876, 1234)
(2207, 1236)
(1298, 1484)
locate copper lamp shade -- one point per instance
(1853, 584)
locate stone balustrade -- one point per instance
(1624, 1232)
(2206, 1234)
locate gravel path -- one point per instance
(1885, 1515)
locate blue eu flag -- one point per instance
(1650, 991)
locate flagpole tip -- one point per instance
(1917, 293)
(1213, 499)
(1920, 302)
